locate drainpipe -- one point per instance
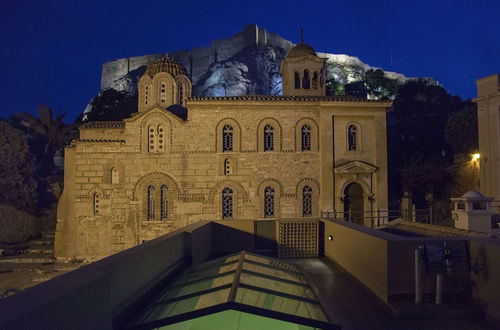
(418, 276)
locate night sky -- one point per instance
(52, 50)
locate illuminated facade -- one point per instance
(488, 112)
(181, 159)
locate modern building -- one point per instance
(488, 106)
(182, 159)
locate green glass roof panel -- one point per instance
(274, 272)
(272, 262)
(277, 285)
(164, 310)
(205, 273)
(280, 304)
(234, 320)
(195, 287)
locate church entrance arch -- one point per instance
(353, 203)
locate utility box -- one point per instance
(472, 212)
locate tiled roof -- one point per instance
(340, 98)
(105, 124)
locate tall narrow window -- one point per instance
(306, 137)
(307, 201)
(269, 202)
(151, 202)
(227, 138)
(181, 93)
(297, 80)
(228, 169)
(115, 176)
(151, 139)
(315, 80)
(95, 203)
(161, 138)
(268, 138)
(352, 138)
(146, 91)
(227, 203)
(163, 94)
(306, 80)
(164, 202)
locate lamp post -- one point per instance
(429, 196)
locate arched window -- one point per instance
(297, 80)
(306, 80)
(163, 202)
(181, 94)
(227, 203)
(228, 169)
(227, 138)
(115, 176)
(151, 202)
(352, 138)
(269, 202)
(268, 138)
(95, 203)
(151, 139)
(315, 80)
(306, 137)
(307, 201)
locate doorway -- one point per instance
(353, 203)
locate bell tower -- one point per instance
(303, 72)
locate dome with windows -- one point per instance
(300, 50)
(166, 64)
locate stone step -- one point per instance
(44, 249)
(50, 236)
(29, 258)
(41, 241)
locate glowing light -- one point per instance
(476, 156)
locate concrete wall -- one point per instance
(485, 273)
(360, 253)
(96, 295)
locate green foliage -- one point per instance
(112, 105)
(17, 186)
(417, 148)
(378, 86)
(46, 136)
(333, 87)
(461, 129)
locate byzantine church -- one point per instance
(181, 159)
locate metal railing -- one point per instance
(380, 217)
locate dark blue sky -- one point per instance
(52, 50)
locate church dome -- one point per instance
(166, 64)
(300, 50)
(473, 194)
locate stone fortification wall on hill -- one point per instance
(114, 70)
(198, 60)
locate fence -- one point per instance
(380, 217)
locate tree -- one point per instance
(461, 129)
(111, 104)
(416, 126)
(378, 86)
(17, 186)
(51, 134)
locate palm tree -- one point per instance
(54, 133)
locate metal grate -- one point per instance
(227, 203)
(227, 138)
(306, 138)
(269, 202)
(307, 201)
(268, 138)
(298, 239)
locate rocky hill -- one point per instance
(246, 63)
